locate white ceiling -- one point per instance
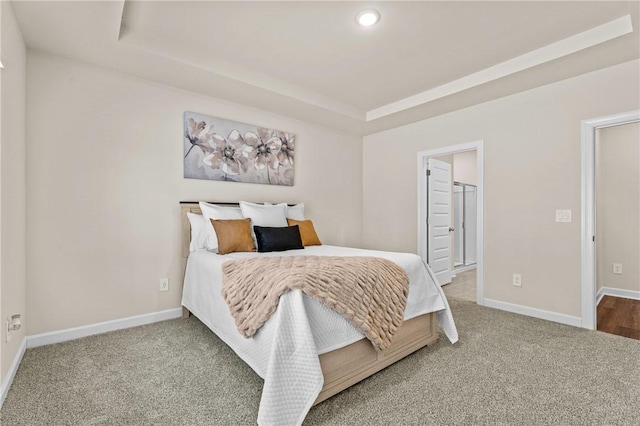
(310, 60)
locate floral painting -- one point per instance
(218, 149)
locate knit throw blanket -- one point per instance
(370, 292)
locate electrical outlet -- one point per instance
(563, 216)
(617, 268)
(164, 284)
(517, 280)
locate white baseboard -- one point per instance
(12, 371)
(616, 292)
(102, 327)
(533, 312)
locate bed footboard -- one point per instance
(347, 366)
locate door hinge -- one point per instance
(594, 239)
(428, 172)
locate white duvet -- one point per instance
(284, 352)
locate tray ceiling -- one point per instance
(310, 60)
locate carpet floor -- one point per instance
(506, 369)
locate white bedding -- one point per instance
(284, 352)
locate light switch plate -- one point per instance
(563, 216)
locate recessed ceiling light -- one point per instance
(367, 17)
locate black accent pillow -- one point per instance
(278, 239)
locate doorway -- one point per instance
(589, 269)
(430, 217)
(617, 173)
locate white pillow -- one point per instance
(296, 212)
(293, 212)
(213, 211)
(261, 215)
(199, 234)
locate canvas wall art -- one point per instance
(218, 149)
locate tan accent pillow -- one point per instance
(307, 232)
(233, 235)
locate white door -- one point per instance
(439, 219)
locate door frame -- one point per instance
(588, 140)
(477, 146)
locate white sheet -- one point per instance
(284, 352)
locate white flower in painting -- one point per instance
(287, 147)
(198, 134)
(264, 148)
(230, 154)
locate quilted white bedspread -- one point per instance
(284, 352)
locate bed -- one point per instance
(307, 352)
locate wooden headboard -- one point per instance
(187, 207)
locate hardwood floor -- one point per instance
(620, 316)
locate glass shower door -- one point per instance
(458, 219)
(470, 224)
(465, 223)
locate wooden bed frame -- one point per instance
(346, 366)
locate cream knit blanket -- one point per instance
(370, 292)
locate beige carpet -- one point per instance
(506, 370)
